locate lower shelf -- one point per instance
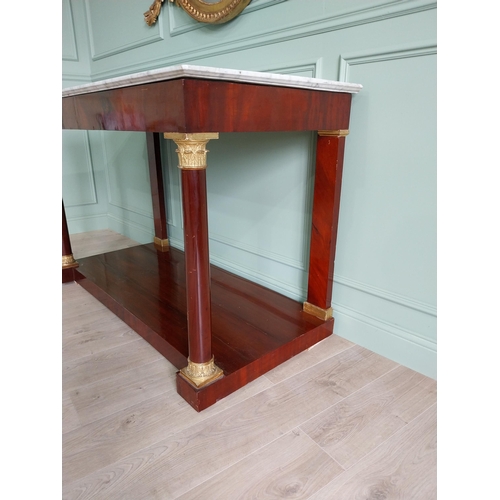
(254, 329)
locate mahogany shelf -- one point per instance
(221, 321)
(254, 329)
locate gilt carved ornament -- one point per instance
(212, 12)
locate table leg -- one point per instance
(201, 369)
(326, 204)
(68, 261)
(157, 190)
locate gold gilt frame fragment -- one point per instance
(217, 12)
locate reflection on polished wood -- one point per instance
(207, 313)
(325, 218)
(253, 329)
(153, 145)
(201, 369)
(68, 261)
(336, 421)
(162, 245)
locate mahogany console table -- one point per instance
(221, 331)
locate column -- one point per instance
(326, 204)
(68, 261)
(201, 368)
(157, 191)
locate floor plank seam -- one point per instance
(243, 458)
(71, 359)
(419, 415)
(336, 375)
(393, 436)
(344, 398)
(103, 379)
(71, 486)
(317, 445)
(309, 366)
(108, 415)
(336, 478)
(151, 445)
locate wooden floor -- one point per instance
(335, 422)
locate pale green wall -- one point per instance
(259, 185)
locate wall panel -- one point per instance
(260, 187)
(69, 50)
(108, 37)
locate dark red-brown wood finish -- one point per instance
(325, 217)
(253, 328)
(248, 328)
(66, 243)
(153, 145)
(194, 203)
(67, 271)
(191, 105)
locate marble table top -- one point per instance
(204, 72)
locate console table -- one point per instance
(221, 331)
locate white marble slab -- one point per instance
(232, 75)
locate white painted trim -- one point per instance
(402, 346)
(86, 223)
(135, 231)
(384, 54)
(384, 294)
(409, 335)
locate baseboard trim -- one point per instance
(391, 342)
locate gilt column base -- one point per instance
(201, 374)
(320, 313)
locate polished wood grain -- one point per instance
(197, 105)
(253, 329)
(192, 105)
(66, 243)
(153, 145)
(326, 206)
(129, 435)
(92, 242)
(197, 264)
(319, 352)
(67, 271)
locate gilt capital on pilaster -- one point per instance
(192, 151)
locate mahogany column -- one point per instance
(201, 368)
(68, 261)
(157, 190)
(326, 204)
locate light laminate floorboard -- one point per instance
(362, 421)
(403, 467)
(293, 466)
(335, 422)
